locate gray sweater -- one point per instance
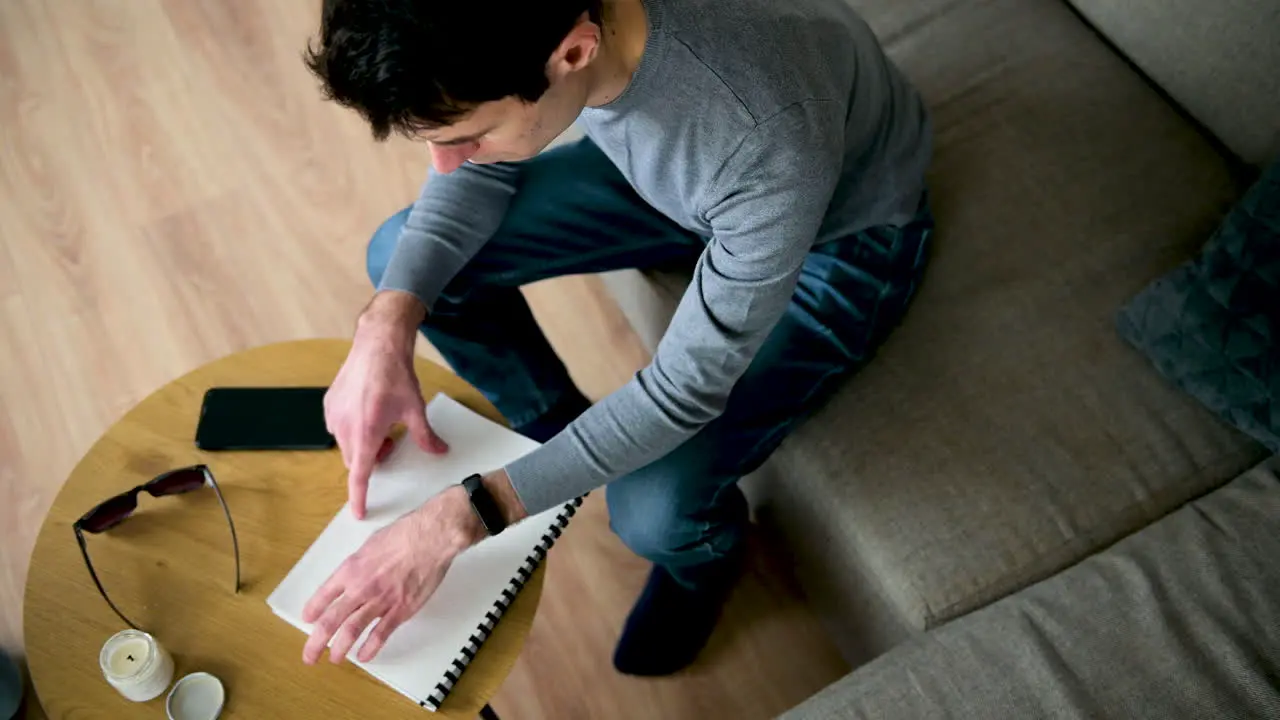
(765, 126)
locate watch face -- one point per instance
(485, 506)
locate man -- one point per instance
(770, 144)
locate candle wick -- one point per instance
(131, 658)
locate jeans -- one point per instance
(575, 213)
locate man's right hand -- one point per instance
(377, 389)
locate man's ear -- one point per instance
(576, 51)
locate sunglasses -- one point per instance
(111, 513)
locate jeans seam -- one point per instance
(515, 275)
(785, 428)
(532, 415)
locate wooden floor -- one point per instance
(173, 189)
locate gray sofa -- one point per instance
(936, 507)
(1180, 620)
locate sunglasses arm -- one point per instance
(235, 544)
(84, 550)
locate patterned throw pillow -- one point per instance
(1213, 325)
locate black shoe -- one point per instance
(671, 623)
(566, 410)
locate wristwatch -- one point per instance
(485, 506)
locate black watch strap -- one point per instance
(485, 506)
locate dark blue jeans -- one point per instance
(575, 213)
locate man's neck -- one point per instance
(626, 30)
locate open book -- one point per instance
(424, 657)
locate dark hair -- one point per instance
(411, 65)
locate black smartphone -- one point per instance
(263, 418)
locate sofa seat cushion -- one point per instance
(1181, 620)
(1005, 431)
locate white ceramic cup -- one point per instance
(136, 665)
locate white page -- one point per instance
(418, 653)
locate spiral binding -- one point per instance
(523, 573)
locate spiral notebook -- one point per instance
(425, 656)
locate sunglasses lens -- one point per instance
(177, 482)
(109, 514)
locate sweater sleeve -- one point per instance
(454, 216)
(765, 206)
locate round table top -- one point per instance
(170, 568)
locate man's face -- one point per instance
(510, 129)
(504, 130)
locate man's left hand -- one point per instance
(390, 577)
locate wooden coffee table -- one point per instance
(170, 567)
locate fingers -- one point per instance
(352, 629)
(328, 592)
(426, 438)
(378, 636)
(388, 445)
(326, 626)
(361, 465)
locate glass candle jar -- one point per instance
(136, 665)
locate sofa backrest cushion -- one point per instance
(1220, 60)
